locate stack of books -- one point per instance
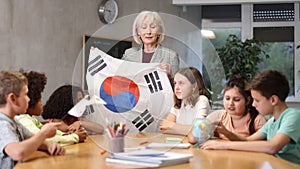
(149, 158)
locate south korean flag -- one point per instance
(139, 94)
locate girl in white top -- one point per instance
(191, 102)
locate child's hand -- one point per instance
(166, 124)
(214, 145)
(49, 129)
(55, 149)
(62, 127)
(74, 126)
(191, 138)
(82, 134)
(221, 129)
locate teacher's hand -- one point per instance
(166, 67)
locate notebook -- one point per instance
(149, 158)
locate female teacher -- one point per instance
(148, 31)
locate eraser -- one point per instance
(173, 140)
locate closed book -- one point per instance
(168, 145)
(150, 158)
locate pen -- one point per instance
(110, 131)
(127, 130)
(102, 152)
(135, 148)
(145, 142)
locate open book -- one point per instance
(149, 158)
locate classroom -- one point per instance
(61, 39)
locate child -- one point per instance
(60, 102)
(16, 142)
(269, 90)
(191, 100)
(239, 116)
(36, 85)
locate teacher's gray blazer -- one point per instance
(161, 54)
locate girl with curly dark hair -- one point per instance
(36, 85)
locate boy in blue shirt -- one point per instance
(280, 135)
(16, 142)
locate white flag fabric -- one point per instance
(85, 105)
(138, 94)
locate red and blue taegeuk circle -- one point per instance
(120, 93)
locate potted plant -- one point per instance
(238, 57)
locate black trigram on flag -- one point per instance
(143, 120)
(89, 109)
(96, 65)
(153, 82)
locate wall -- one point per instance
(46, 35)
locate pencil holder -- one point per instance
(116, 144)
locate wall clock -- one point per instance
(108, 11)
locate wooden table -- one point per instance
(88, 156)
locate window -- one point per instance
(222, 23)
(273, 12)
(280, 47)
(222, 33)
(231, 13)
(275, 24)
